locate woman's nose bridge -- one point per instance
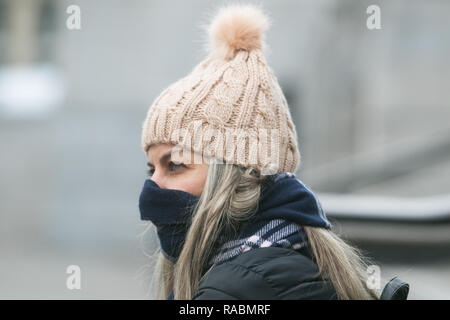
(158, 178)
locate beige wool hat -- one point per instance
(230, 107)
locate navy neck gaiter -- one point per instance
(283, 196)
(170, 211)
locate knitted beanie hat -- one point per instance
(230, 107)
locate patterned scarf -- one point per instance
(285, 205)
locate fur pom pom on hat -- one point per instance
(230, 107)
(238, 27)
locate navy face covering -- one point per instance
(170, 211)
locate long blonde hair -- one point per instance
(230, 196)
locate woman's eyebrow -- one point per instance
(163, 159)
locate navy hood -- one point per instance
(284, 196)
(284, 201)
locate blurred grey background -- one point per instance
(371, 109)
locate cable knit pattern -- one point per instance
(235, 95)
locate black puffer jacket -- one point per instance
(271, 273)
(276, 273)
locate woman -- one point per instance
(232, 219)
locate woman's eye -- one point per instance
(174, 166)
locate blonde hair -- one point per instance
(230, 196)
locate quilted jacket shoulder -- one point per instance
(271, 273)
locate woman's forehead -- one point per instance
(177, 153)
(157, 151)
(171, 151)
